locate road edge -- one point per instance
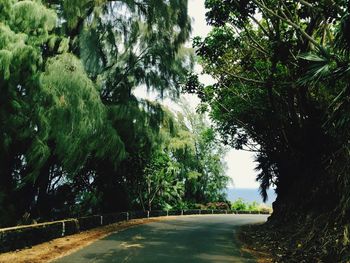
(60, 247)
(243, 235)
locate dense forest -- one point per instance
(74, 140)
(282, 91)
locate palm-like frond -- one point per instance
(321, 66)
(267, 172)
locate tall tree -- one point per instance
(44, 116)
(68, 115)
(281, 92)
(200, 155)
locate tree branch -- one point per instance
(306, 3)
(244, 78)
(259, 47)
(291, 23)
(260, 25)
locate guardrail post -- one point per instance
(101, 218)
(200, 211)
(212, 211)
(147, 214)
(182, 212)
(63, 228)
(127, 216)
(167, 212)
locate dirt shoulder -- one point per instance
(251, 240)
(60, 247)
(304, 242)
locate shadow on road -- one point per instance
(183, 239)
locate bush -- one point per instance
(254, 207)
(239, 205)
(218, 206)
(199, 206)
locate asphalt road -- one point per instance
(192, 239)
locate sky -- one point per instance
(240, 164)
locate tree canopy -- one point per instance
(74, 139)
(281, 91)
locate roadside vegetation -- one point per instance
(74, 140)
(242, 205)
(282, 91)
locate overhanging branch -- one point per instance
(291, 23)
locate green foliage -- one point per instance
(75, 10)
(200, 156)
(33, 19)
(5, 60)
(187, 169)
(21, 58)
(239, 205)
(281, 91)
(160, 185)
(73, 114)
(74, 139)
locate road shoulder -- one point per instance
(61, 247)
(250, 242)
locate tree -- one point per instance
(201, 158)
(69, 121)
(123, 52)
(44, 116)
(161, 184)
(281, 92)
(187, 167)
(74, 140)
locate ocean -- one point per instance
(250, 195)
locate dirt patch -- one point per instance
(247, 235)
(61, 247)
(260, 257)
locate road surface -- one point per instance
(192, 239)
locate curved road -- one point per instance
(192, 239)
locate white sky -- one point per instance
(240, 163)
